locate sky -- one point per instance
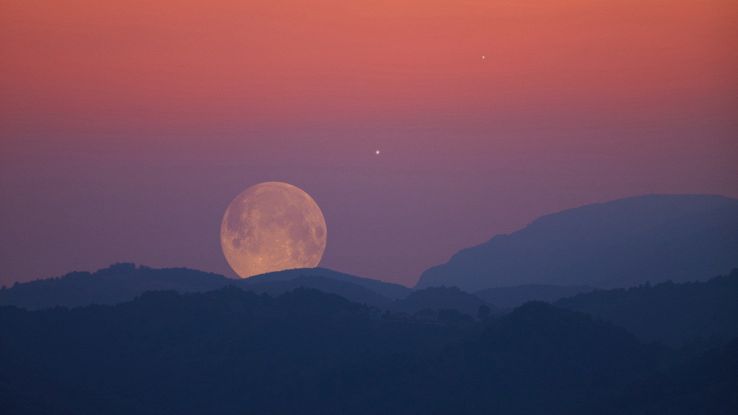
(126, 127)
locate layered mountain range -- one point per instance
(616, 308)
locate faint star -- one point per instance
(376, 152)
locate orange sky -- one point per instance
(123, 61)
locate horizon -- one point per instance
(413, 285)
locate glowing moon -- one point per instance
(272, 226)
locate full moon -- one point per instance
(272, 226)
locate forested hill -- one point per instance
(696, 312)
(232, 352)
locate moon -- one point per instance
(272, 226)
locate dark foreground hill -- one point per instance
(697, 312)
(606, 245)
(441, 298)
(305, 352)
(123, 282)
(350, 291)
(511, 297)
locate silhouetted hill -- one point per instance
(232, 352)
(616, 244)
(221, 352)
(511, 297)
(439, 298)
(385, 289)
(347, 290)
(123, 282)
(115, 284)
(701, 312)
(702, 385)
(540, 359)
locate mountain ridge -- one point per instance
(611, 244)
(124, 281)
(677, 314)
(314, 353)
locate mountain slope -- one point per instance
(385, 289)
(123, 282)
(233, 352)
(511, 297)
(704, 384)
(115, 284)
(615, 244)
(345, 289)
(439, 298)
(566, 360)
(697, 312)
(223, 352)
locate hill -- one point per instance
(606, 245)
(385, 289)
(511, 297)
(123, 282)
(115, 284)
(705, 384)
(231, 352)
(675, 314)
(350, 291)
(223, 352)
(440, 298)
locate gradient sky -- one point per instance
(126, 127)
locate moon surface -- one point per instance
(272, 226)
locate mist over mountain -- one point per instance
(622, 243)
(231, 352)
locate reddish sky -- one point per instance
(126, 127)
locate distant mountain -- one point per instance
(123, 282)
(385, 289)
(232, 352)
(675, 314)
(115, 284)
(511, 297)
(345, 289)
(439, 298)
(607, 245)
